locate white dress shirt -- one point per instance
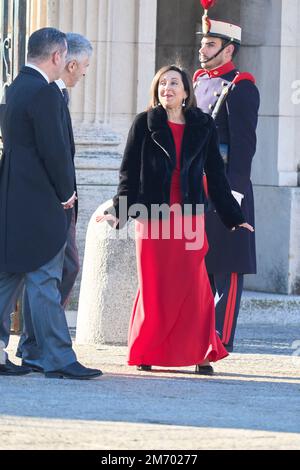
(60, 83)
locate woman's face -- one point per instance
(171, 92)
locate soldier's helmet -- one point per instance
(220, 29)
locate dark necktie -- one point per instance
(66, 95)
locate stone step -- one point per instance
(265, 308)
(98, 160)
(256, 308)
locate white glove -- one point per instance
(238, 197)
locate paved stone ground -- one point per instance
(252, 402)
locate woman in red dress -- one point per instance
(168, 149)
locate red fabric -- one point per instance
(205, 186)
(177, 131)
(230, 309)
(199, 73)
(207, 4)
(221, 70)
(245, 76)
(173, 318)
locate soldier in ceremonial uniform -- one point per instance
(232, 98)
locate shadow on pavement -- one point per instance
(215, 402)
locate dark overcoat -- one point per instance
(36, 174)
(71, 137)
(236, 123)
(150, 159)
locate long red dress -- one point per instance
(173, 318)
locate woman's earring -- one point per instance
(183, 103)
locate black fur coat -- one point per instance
(149, 161)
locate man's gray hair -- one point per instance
(78, 47)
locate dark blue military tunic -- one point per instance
(236, 123)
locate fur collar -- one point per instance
(157, 118)
(197, 130)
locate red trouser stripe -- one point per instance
(230, 309)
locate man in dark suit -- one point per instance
(77, 62)
(233, 100)
(36, 197)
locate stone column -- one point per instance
(109, 283)
(90, 100)
(116, 87)
(270, 34)
(37, 14)
(272, 52)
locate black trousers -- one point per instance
(227, 289)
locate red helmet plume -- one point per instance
(207, 4)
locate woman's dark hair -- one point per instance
(190, 101)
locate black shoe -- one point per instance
(74, 371)
(144, 367)
(9, 368)
(204, 370)
(33, 367)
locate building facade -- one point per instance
(131, 39)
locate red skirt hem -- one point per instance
(173, 318)
(178, 363)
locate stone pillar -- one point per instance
(90, 100)
(272, 40)
(109, 283)
(37, 14)
(270, 34)
(116, 87)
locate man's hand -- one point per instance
(70, 202)
(2, 353)
(246, 226)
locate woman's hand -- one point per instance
(109, 218)
(246, 226)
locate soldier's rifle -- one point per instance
(224, 93)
